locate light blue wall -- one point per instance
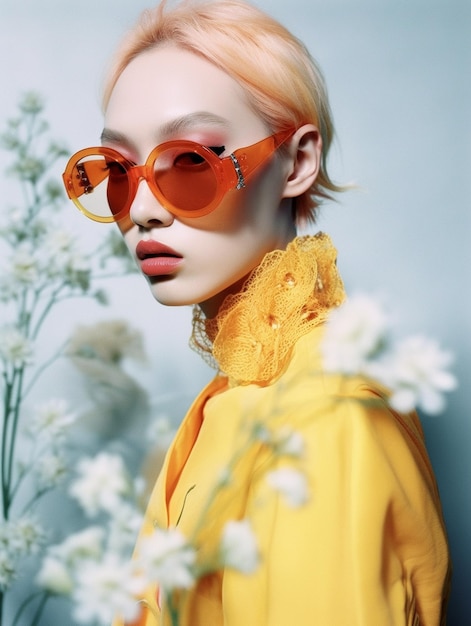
(399, 75)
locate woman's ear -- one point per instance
(305, 153)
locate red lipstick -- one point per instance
(157, 259)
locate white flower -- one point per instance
(15, 348)
(52, 418)
(62, 261)
(106, 588)
(102, 484)
(31, 103)
(29, 168)
(417, 375)
(77, 263)
(56, 251)
(51, 469)
(8, 569)
(65, 559)
(24, 266)
(168, 559)
(9, 288)
(290, 442)
(239, 547)
(27, 535)
(77, 270)
(356, 332)
(291, 484)
(5, 535)
(55, 576)
(58, 243)
(124, 527)
(86, 544)
(284, 440)
(21, 537)
(18, 538)
(8, 555)
(13, 220)
(23, 224)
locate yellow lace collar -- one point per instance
(289, 293)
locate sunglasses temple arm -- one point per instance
(247, 160)
(83, 178)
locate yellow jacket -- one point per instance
(369, 546)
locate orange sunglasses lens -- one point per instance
(98, 185)
(186, 180)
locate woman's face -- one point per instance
(169, 93)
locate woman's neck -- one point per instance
(211, 306)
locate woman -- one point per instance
(240, 117)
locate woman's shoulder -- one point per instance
(321, 405)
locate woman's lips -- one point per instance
(157, 259)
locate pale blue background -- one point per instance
(399, 75)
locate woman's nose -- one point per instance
(146, 210)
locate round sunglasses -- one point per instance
(188, 179)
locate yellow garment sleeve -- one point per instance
(368, 549)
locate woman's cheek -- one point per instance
(125, 224)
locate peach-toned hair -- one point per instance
(282, 81)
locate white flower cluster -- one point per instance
(239, 547)
(102, 485)
(16, 350)
(94, 568)
(52, 420)
(168, 558)
(291, 484)
(48, 429)
(18, 538)
(40, 266)
(415, 370)
(56, 260)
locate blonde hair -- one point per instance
(282, 81)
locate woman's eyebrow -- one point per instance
(187, 122)
(113, 136)
(170, 129)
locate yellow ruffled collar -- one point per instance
(290, 292)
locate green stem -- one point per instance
(15, 488)
(173, 612)
(42, 368)
(28, 601)
(45, 312)
(37, 496)
(23, 316)
(40, 609)
(13, 433)
(6, 420)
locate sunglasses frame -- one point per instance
(231, 172)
